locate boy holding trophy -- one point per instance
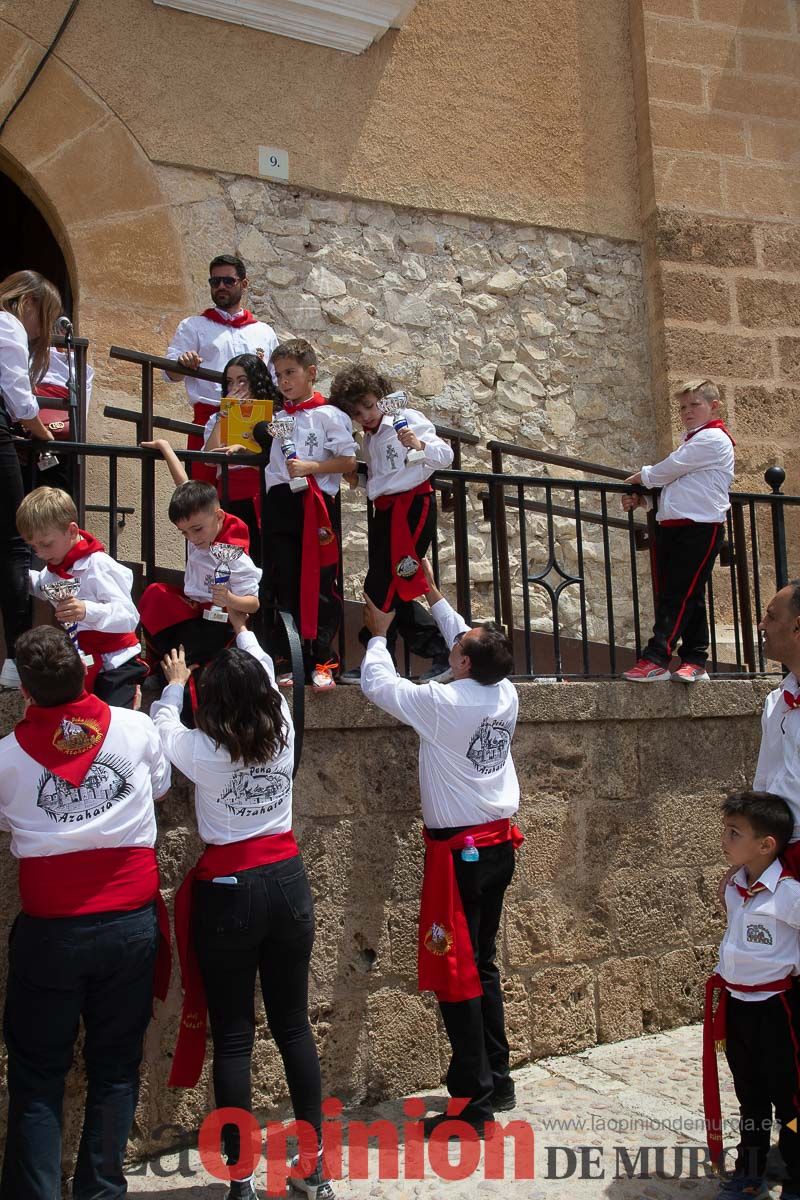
(402, 450)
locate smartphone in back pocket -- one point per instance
(225, 879)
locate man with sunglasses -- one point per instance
(470, 793)
(212, 338)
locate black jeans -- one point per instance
(98, 968)
(762, 1051)
(412, 622)
(263, 925)
(476, 1028)
(685, 557)
(15, 554)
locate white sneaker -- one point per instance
(316, 1186)
(9, 676)
(322, 677)
(286, 680)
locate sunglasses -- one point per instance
(217, 280)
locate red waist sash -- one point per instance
(445, 958)
(408, 578)
(97, 642)
(715, 1025)
(118, 879)
(320, 549)
(190, 1049)
(162, 605)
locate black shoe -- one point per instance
(504, 1097)
(476, 1123)
(351, 676)
(242, 1190)
(438, 672)
(315, 1187)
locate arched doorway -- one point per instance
(32, 245)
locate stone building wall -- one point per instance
(610, 925)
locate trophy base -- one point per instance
(215, 614)
(414, 456)
(298, 485)
(47, 462)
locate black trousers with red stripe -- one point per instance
(685, 556)
(763, 1052)
(412, 622)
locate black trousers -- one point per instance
(201, 641)
(413, 622)
(476, 1028)
(282, 519)
(245, 510)
(262, 926)
(762, 1050)
(15, 554)
(685, 557)
(97, 968)
(117, 686)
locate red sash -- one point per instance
(97, 642)
(93, 881)
(203, 472)
(714, 1032)
(162, 605)
(445, 958)
(320, 549)
(51, 391)
(404, 543)
(715, 424)
(245, 317)
(65, 739)
(190, 1050)
(86, 544)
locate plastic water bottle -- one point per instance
(470, 851)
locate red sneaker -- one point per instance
(690, 673)
(646, 672)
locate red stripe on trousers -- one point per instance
(692, 585)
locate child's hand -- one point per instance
(351, 477)
(631, 502)
(71, 610)
(407, 438)
(298, 467)
(235, 448)
(174, 667)
(220, 594)
(238, 620)
(156, 444)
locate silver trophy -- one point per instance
(393, 406)
(58, 591)
(225, 555)
(283, 429)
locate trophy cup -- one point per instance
(225, 555)
(56, 592)
(393, 406)
(283, 429)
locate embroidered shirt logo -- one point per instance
(392, 456)
(438, 940)
(312, 441)
(106, 782)
(76, 735)
(489, 747)
(325, 535)
(759, 934)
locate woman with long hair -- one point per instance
(29, 308)
(245, 909)
(247, 377)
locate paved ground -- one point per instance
(591, 1114)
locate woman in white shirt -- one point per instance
(246, 909)
(29, 307)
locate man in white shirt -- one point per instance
(778, 767)
(212, 338)
(469, 792)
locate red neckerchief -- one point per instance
(403, 541)
(86, 544)
(233, 532)
(227, 859)
(715, 424)
(445, 958)
(792, 699)
(747, 893)
(66, 738)
(313, 402)
(245, 317)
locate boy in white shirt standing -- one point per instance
(695, 480)
(757, 1017)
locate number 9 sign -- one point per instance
(273, 163)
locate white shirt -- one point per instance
(198, 575)
(15, 381)
(319, 433)
(385, 456)
(232, 801)
(761, 943)
(695, 478)
(106, 592)
(112, 807)
(58, 373)
(778, 766)
(217, 344)
(466, 774)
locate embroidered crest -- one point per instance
(489, 747)
(311, 441)
(392, 456)
(438, 939)
(759, 934)
(325, 535)
(407, 567)
(76, 736)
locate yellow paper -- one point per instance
(238, 419)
